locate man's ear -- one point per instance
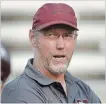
(32, 38)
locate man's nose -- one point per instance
(60, 43)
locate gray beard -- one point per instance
(57, 70)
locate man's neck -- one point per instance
(58, 78)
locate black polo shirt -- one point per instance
(34, 87)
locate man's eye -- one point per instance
(68, 35)
(49, 34)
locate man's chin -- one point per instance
(58, 69)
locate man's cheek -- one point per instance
(69, 55)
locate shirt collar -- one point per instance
(41, 78)
(69, 78)
(35, 74)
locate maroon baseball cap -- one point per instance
(52, 14)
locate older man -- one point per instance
(46, 79)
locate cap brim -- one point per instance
(45, 25)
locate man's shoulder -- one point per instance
(85, 90)
(19, 90)
(17, 83)
(21, 82)
(81, 85)
(77, 81)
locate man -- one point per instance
(46, 79)
(5, 65)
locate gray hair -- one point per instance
(36, 32)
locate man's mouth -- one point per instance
(59, 59)
(59, 56)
